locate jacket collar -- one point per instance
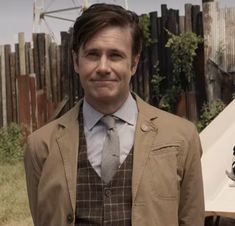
(68, 143)
(145, 135)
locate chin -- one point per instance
(105, 94)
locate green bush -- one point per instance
(209, 112)
(11, 143)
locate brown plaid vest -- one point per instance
(97, 203)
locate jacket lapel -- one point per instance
(68, 144)
(144, 137)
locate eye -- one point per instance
(92, 55)
(116, 56)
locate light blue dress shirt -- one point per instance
(95, 131)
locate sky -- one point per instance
(17, 15)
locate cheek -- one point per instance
(85, 71)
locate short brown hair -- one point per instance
(99, 16)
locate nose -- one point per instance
(103, 66)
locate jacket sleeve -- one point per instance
(191, 207)
(33, 172)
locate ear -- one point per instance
(135, 61)
(75, 62)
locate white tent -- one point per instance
(218, 140)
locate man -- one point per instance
(153, 175)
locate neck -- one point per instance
(107, 107)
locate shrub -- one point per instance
(183, 51)
(209, 112)
(11, 143)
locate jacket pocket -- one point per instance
(164, 169)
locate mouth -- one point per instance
(103, 81)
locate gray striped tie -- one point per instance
(111, 150)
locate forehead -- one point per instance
(119, 37)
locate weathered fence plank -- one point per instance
(17, 60)
(41, 58)
(41, 107)
(188, 17)
(7, 49)
(36, 61)
(3, 86)
(24, 101)
(27, 60)
(1, 106)
(22, 60)
(13, 87)
(33, 101)
(65, 54)
(53, 69)
(58, 67)
(47, 68)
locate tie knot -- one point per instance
(109, 121)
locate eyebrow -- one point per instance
(109, 50)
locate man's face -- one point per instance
(105, 65)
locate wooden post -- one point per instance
(58, 66)
(173, 21)
(72, 79)
(8, 84)
(163, 52)
(31, 61)
(41, 107)
(24, 101)
(36, 60)
(210, 17)
(195, 19)
(13, 87)
(191, 103)
(65, 85)
(27, 61)
(22, 53)
(47, 68)
(181, 24)
(1, 107)
(54, 82)
(153, 50)
(3, 87)
(199, 60)
(33, 101)
(41, 55)
(17, 60)
(188, 17)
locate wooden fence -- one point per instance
(219, 30)
(37, 79)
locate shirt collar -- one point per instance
(90, 115)
(127, 112)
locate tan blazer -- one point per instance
(167, 181)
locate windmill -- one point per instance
(41, 14)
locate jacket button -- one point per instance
(69, 218)
(144, 128)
